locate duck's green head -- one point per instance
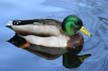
(72, 24)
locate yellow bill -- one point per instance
(84, 30)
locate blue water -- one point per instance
(94, 14)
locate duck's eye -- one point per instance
(79, 23)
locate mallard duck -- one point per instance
(51, 38)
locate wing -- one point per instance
(41, 21)
(40, 27)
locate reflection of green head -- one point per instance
(71, 25)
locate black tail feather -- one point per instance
(17, 40)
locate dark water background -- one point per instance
(94, 14)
